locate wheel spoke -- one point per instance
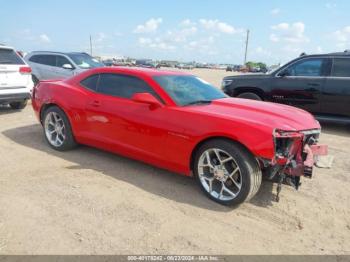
(210, 183)
(234, 171)
(226, 160)
(224, 188)
(207, 156)
(217, 155)
(238, 185)
(58, 140)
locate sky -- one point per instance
(185, 30)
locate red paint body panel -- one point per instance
(165, 136)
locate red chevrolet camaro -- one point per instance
(181, 123)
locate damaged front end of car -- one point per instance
(296, 152)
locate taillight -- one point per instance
(25, 70)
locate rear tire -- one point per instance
(249, 95)
(233, 171)
(19, 105)
(57, 129)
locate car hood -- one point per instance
(257, 113)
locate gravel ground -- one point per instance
(87, 201)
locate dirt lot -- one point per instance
(91, 202)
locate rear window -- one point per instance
(10, 57)
(49, 60)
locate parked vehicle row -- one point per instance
(319, 84)
(15, 79)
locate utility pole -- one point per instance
(246, 48)
(90, 45)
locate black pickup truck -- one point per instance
(319, 84)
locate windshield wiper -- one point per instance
(198, 102)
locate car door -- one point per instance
(61, 70)
(45, 64)
(336, 92)
(114, 119)
(300, 84)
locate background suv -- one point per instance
(56, 65)
(317, 83)
(15, 79)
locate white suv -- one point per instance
(16, 83)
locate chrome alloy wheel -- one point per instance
(219, 174)
(55, 130)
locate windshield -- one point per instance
(186, 90)
(85, 61)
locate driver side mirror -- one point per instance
(67, 66)
(146, 98)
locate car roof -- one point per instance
(55, 53)
(6, 47)
(138, 70)
(345, 53)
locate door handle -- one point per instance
(95, 103)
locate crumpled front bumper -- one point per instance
(296, 152)
(311, 154)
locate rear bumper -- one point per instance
(7, 98)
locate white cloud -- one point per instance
(156, 43)
(181, 35)
(149, 26)
(187, 22)
(44, 38)
(342, 36)
(289, 33)
(274, 38)
(217, 25)
(275, 11)
(319, 49)
(145, 41)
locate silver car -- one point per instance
(56, 65)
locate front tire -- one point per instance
(226, 172)
(249, 95)
(57, 129)
(19, 105)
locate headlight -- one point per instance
(286, 141)
(226, 83)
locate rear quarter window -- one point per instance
(90, 82)
(341, 67)
(10, 57)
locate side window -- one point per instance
(49, 60)
(309, 67)
(341, 67)
(34, 59)
(122, 86)
(61, 60)
(90, 82)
